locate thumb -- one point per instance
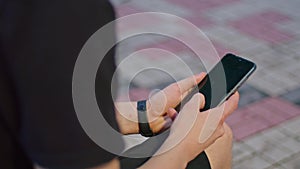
(186, 118)
(195, 103)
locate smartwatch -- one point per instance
(144, 127)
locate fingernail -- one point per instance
(168, 123)
(172, 110)
(174, 116)
(198, 75)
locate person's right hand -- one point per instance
(193, 131)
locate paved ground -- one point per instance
(267, 124)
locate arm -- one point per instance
(184, 143)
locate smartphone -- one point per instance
(222, 81)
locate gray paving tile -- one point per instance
(276, 153)
(273, 145)
(245, 43)
(265, 140)
(265, 83)
(292, 163)
(257, 49)
(298, 138)
(291, 127)
(240, 152)
(288, 8)
(255, 162)
(275, 56)
(249, 94)
(293, 96)
(233, 11)
(275, 166)
(292, 144)
(290, 26)
(294, 45)
(275, 80)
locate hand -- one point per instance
(158, 105)
(190, 134)
(193, 131)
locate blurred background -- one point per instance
(266, 126)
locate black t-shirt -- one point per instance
(40, 42)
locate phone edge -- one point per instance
(238, 85)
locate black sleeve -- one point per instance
(42, 40)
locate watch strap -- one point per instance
(144, 127)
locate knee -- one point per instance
(220, 153)
(228, 135)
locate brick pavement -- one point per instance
(267, 125)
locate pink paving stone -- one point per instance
(237, 117)
(260, 116)
(138, 94)
(274, 16)
(134, 95)
(283, 107)
(267, 113)
(262, 26)
(175, 47)
(123, 10)
(248, 128)
(274, 36)
(196, 5)
(138, 22)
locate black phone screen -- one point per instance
(222, 81)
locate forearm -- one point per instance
(173, 159)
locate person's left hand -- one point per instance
(158, 105)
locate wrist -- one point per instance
(126, 115)
(182, 148)
(143, 119)
(172, 159)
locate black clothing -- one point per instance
(40, 42)
(149, 147)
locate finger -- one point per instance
(172, 113)
(230, 105)
(168, 123)
(186, 84)
(200, 77)
(154, 125)
(216, 117)
(157, 121)
(163, 123)
(202, 101)
(195, 102)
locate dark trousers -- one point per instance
(149, 147)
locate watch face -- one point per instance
(141, 105)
